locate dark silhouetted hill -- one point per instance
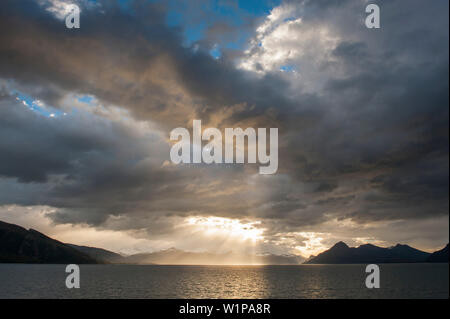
(340, 253)
(440, 256)
(18, 245)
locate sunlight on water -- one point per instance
(304, 281)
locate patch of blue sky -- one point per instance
(195, 17)
(258, 7)
(215, 52)
(290, 19)
(125, 4)
(287, 68)
(129, 5)
(87, 99)
(236, 14)
(193, 33)
(36, 105)
(240, 41)
(174, 18)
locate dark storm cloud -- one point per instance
(392, 117)
(132, 60)
(113, 56)
(91, 168)
(370, 143)
(79, 161)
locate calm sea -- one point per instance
(304, 281)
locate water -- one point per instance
(154, 281)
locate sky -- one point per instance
(362, 115)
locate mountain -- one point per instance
(99, 253)
(18, 245)
(179, 257)
(440, 256)
(340, 253)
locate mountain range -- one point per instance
(19, 245)
(340, 253)
(175, 256)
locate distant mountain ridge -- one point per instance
(175, 256)
(340, 253)
(99, 253)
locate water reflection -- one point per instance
(157, 281)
